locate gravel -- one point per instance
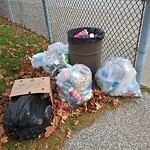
(127, 128)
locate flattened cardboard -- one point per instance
(32, 86)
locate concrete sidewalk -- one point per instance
(126, 128)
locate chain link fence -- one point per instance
(4, 9)
(120, 19)
(27, 12)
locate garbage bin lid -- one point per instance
(99, 35)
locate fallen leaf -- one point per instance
(65, 116)
(0, 52)
(9, 42)
(11, 83)
(63, 105)
(34, 45)
(17, 32)
(60, 112)
(1, 77)
(3, 140)
(7, 83)
(85, 106)
(76, 122)
(2, 131)
(1, 148)
(56, 121)
(76, 112)
(46, 146)
(49, 131)
(115, 102)
(53, 132)
(62, 121)
(3, 71)
(68, 135)
(98, 106)
(18, 45)
(7, 92)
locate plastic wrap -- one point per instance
(117, 77)
(75, 84)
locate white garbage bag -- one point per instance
(117, 77)
(36, 60)
(53, 60)
(75, 84)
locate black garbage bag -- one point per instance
(27, 116)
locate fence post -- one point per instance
(47, 18)
(144, 39)
(10, 11)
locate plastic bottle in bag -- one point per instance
(117, 77)
(75, 84)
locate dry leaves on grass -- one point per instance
(61, 111)
(50, 131)
(5, 95)
(76, 122)
(69, 132)
(1, 77)
(98, 106)
(3, 140)
(115, 102)
(2, 131)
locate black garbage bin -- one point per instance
(86, 51)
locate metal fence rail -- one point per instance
(121, 20)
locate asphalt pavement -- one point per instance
(127, 128)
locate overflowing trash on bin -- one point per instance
(52, 60)
(84, 34)
(85, 46)
(117, 77)
(75, 85)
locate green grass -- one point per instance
(16, 43)
(145, 88)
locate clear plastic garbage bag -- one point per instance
(75, 84)
(117, 77)
(53, 60)
(36, 60)
(56, 58)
